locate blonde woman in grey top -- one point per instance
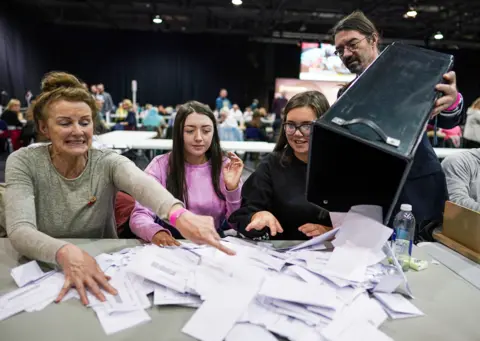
(66, 189)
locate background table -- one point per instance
(145, 140)
(450, 304)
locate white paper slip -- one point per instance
(337, 218)
(306, 275)
(348, 262)
(150, 265)
(260, 313)
(126, 299)
(248, 331)
(363, 309)
(225, 315)
(362, 231)
(396, 303)
(314, 242)
(404, 287)
(26, 273)
(30, 296)
(371, 211)
(264, 258)
(293, 290)
(300, 312)
(115, 322)
(388, 283)
(290, 328)
(166, 296)
(362, 331)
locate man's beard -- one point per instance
(354, 65)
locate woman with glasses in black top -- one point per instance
(273, 198)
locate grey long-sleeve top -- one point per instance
(42, 206)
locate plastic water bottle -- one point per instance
(404, 231)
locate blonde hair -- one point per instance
(128, 103)
(58, 86)
(12, 102)
(476, 104)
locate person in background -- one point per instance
(153, 121)
(247, 114)
(100, 126)
(11, 113)
(356, 43)
(94, 91)
(126, 116)
(255, 129)
(107, 99)
(225, 119)
(162, 111)
(279, 103)
(262, 111)
(237, 114)
(29, 132)
(471, 135)
(273, 197)
(222, 100)
(462, 171)
(66, 189)
(195, 172)
(255, 104)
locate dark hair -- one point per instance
(176, 182)
(61, 86)
(356, 21)
(312, 99)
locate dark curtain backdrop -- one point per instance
(170, 68)
(22, 61)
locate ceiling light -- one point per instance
(157, 20)
(411, 13)
(237, 2)
(438, 36)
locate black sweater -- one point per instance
(11, 118)
(280, 190)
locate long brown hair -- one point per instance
(176, 182)
(312, 99)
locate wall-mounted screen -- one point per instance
(318, 62)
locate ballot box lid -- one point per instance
(391, 102)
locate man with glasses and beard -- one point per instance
(356, 42)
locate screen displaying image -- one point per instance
(291, 87)
(319, 62)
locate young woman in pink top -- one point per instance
(195, 172)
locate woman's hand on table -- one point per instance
(200, 230)
(163, 238)
(82, 272)
(313, 230)
(263, 219)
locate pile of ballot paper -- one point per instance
(302, 293)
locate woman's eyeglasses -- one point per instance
(304, 128)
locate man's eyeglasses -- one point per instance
(304, 128)
(352, 47)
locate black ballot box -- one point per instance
(362, 149)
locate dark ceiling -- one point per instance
(282, 20)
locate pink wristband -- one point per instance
(455, 104)
(175, 215)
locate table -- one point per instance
(444, 152)
(450, 305)
(247, 146)
(122, 139)
(145, 140)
